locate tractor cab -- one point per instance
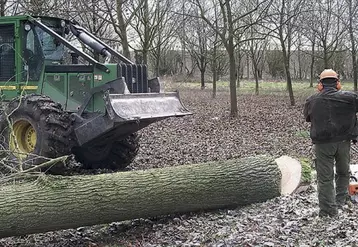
(40, 48)
(25, 49)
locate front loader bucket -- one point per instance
(128, 113)
(140, 106)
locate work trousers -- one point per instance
(329, 155)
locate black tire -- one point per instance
(113, 156)
(51, 124)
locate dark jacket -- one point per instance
(332, 115)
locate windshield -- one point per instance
(51, 46)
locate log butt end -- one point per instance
(291, 174)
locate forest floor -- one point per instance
(266, 124)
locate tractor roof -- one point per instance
(27, 17)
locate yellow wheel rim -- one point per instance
(22, 138)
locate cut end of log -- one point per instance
(291, 174)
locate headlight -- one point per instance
(27, 27)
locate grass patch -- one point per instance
(269, 87)
(303, 133)
(248, 87)
(306, 170)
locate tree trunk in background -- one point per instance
(325, 55)
(256, 74)
(299, 58)
(239, 57)
(238, 76)
(286, 61)
(351, 27)
(182, 41)
(123, 29)
(254, 62)
(147, 29)
(214, 82)
(288, 79)
(202, 79)
(2, 7)
(248, 67)
(230, 48)
(233, 96)
(157, 61)
(53, 203)
(312, 64)
(215, 64)
(94, 25)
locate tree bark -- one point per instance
(55, 202)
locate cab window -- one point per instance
(7, 52)
(32, 55)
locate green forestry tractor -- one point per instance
(54, 106)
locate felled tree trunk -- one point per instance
(54, 203)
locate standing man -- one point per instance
(332, 114)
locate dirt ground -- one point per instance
(266, 124)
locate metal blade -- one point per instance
(147, 105)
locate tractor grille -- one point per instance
(135, 76)
(7, 53)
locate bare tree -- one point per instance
(182, 19)
(197, 38)
(329, 30)
(226, 32)
(307, 20)
(312, 74)
(214, 64)
(165, 38)
(257, 44)
(256, 52)
(218, 62)
(299, 74)
(8, 7)
(37, 7)
(120, 15)
(312, 39)
(147, 23)
(217, 59)
(229, 24)
(282, 25)
(86, 13)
